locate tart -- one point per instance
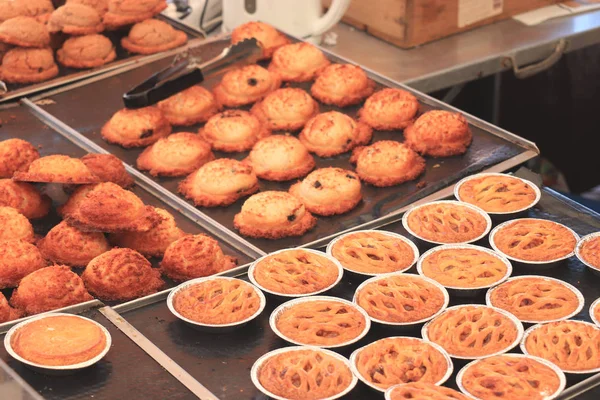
(342, 85)
(108, 168)
(574, 346)
(28, 65)
(298, 62)
(286, 109)
(153, 36)
(136, 128)
(280, 158)
(589, 251)
(175, 155)
(497, 193)
(57, 169)
(25, 198)
(387, 163)
(16, 155)
(268, 37)
(75, 19)
(7, 313)
(439, 133)
(371, 252)
(273, 215)
(218, 301)
(246, 85)
(101, 6)
(59, 340)
(473, 331)
(332, 133)
(24, 32)
(534, 240)
(87, 51)
(395, 360)
(389, 109)
(233, 131)
(537, 299)
(219, 183)
(18, 259)
(423, 391)
(329, 191)
(127, 12)
(295, 272)
(14, 225)
(189, 107)
(446, 222)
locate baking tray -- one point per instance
(223, 363)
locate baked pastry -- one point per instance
(74, 201)
(389, 109)
(424, 391)
(7, 313)
(329, 191)
(195, 256)
(25, 198)
(189, 107)
(57, 169)
(536, 240)
(18, 259)
(70, 246)
(233, 131)
(589, 251)
(387, 163)
(75, 19)
(342, 85)
(245, 85)
(108, 168)
(16, 155)
(273, 215)
(14, 225)
(59, 340)
(464, 268)
(373, 253)
(121, 274)
(109, 208)
(439, 133)
(536, 299)
(321, 322)
(176, 155)
(40, 9)
(332, 133)
(298, 62)
(217, 301)
(87, 51)
(305, 374)
(24, 32)
(154, 242)
(595, 312)
(28, 65)
(295, 272)
(153, 36)
(219, 183)
(511, 377)
(136, 127)
(280, 158)
(571, 345)
(447, 222)
(268, 37)
(286, 109)
(101, 6)
(497, 193)
(49, 288)
(473, 331)
(395, 360)
(128, 12)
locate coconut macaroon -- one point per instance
(342, 85)
(233, 131)
(286, 109)
(57, 169)
(75, 19)
(18, 259)
(15, 226)
(87, 51)
(101, 6)
(136, 128)
(189, 107)
(128, 12)
(269, 38)
(74, 200)
(439, 133)
(298, 62)
(25, 198)
(108, 168)
(39, 9)
(7, 313)
(24, 32)
(389, 109)
(28, 65)
(195, 256)
(245, 85)
(153, 36)
(280, 158)
(16, 155)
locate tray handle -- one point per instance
(530, 70)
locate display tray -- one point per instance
(87, 107)
(222, 363)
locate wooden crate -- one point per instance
(408, 23)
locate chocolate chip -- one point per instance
(252, 82)
(317, 184)
(350, 176)
(291, 217)
(147, 133)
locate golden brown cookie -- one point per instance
(233, 130)
(246, 85)
(39, 9)
(87, 51)
(195, 256)
(28, 65)
(57, 169)
(25, 198)
(389, 109)
(73, 202)
(286, 109)
(18, 259)
(439, 133)
(14, 226)
(153, 36)
(273, 215)
(75, 19)
(16, 155)
(219, 183)
(176, 155)
(7, 313)
(332, 133)
(329, 191)
(108, 168)
(49, 288)
(154, 242)
(121, 274)
(67, 245)
(298, 62)
(387, 163)
(342, 85)
(101, 6)
(268, 37)
(3, 49)
(136, 128)
(24, 32)
(189, 107)
(280, 158)
(128, 12)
